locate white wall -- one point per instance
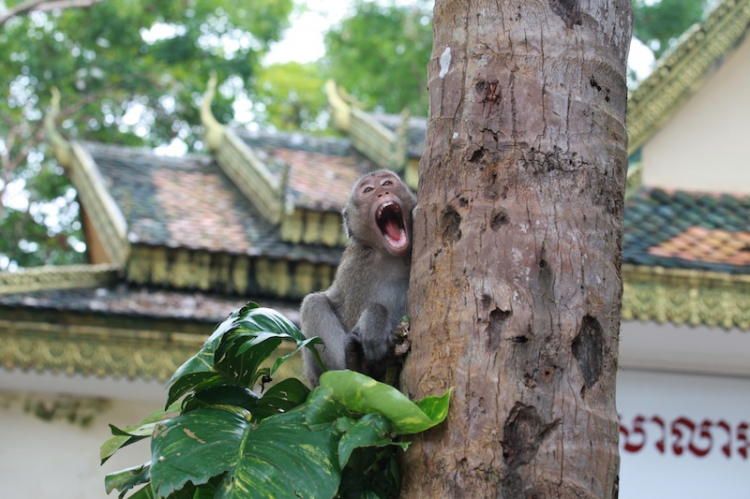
(718, 403)
(56, 458)
(666, 347)
(704, 145)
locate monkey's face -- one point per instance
(379, 212)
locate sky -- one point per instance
(303, 41)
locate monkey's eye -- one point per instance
(387, 182)
(367, 189)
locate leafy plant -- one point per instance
(219, 438)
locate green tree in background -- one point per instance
(659, 24)
(379, 54)
(290, 97)
(129, 73)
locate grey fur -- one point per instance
(357, 315)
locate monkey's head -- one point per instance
(378, 212)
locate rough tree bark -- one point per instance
(515, 288)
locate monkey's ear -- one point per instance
(345, 216)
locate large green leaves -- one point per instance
(134, 433)
(229, 442)
(278, 457)
(363, 394)
(233, 354)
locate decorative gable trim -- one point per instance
(313, 227)
(382, 146)
(683, 70)
(232, 274)
(682, 296)
(94, 350)
(107, 218)
(252, 176)
(58, 277)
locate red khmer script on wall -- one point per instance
(684, 436)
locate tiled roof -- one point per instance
(188, 202)
(688, 230)
(321, 169)
(142, 302)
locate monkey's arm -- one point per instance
(370, 344)
(318, 318)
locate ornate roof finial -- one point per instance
(341, 105)
(58, 144)
(214, 130)
(401, 150)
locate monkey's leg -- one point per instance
(318, 318)
(374, 333)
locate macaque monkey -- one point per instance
(356, 317)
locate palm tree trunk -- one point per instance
(515, 288)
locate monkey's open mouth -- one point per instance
(390, 220)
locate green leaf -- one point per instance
(233, 355)
(279, 457)
(126, 479)
(268, 320)
(373, 430)
(143, 493)
(309, 344)
(371, 472)
(134, 433)
(323, 408)
(221, 395)
(242, 365)
(363, 394)
(200, 367)
(280, 398)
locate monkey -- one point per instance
(357, 315)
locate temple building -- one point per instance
(176, 243)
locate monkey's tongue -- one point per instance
(396, 235)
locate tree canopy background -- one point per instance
(132, 73)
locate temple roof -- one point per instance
(321, 170)
(190, 203)
(687, 230)
(122, 300)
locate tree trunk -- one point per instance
(515, 290)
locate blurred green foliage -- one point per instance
(659, 24)
(290, 96)
(380, 55)
(130, 73)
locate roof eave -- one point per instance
(683, 296)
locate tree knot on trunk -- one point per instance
(523, 432)
(588, 349)
(567, 10)
(451, 222)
